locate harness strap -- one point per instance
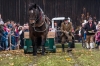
(39, 25)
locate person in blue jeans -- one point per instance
(3, 39)
(6, 37)
(13, 41)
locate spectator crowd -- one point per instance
(12, 35)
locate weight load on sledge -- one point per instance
(49, 45)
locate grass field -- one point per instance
(81, 57)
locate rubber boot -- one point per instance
(63, 50)
(69, 47)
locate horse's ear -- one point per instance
(35, 6)
(32, 5)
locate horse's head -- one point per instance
(34, 13)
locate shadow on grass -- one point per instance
(77, 45)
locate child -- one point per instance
(98, 39)
(98, 36)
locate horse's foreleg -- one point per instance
(34, 47)
(43, 45)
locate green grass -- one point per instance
(14, 59)
(57, 59)
(87, 57)
(82, 56)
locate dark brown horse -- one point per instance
(38, 27)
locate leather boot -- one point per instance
(69, 49)
(63, 48)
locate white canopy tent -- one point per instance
(58, 18)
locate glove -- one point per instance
(66, 32)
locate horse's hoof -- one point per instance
(34, 54)
(42, 53)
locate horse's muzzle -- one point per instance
(32, 21)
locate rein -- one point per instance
(44, 22)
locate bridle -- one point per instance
(36, 19)
(42, 16)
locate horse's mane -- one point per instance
(40, 9)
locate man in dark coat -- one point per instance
(90, 28)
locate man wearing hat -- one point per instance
(90, 28)
(66, 28)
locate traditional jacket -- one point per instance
(90, 28)
(66, 27)
(66, 32)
